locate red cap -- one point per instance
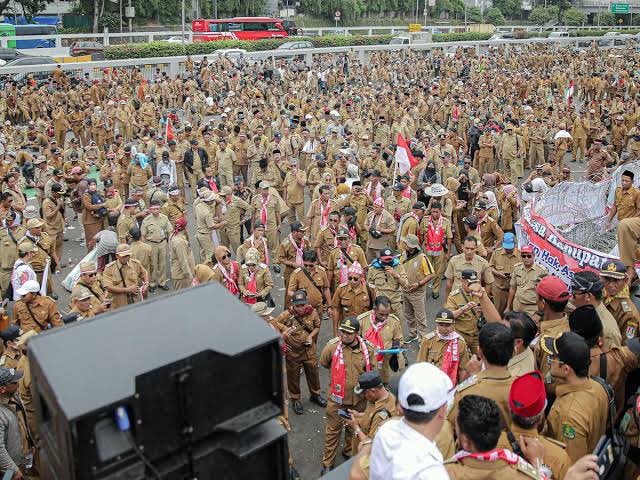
(526, 249)
(527, 397)
(553, 289)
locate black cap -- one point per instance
(614, 269)
(299, 297)
(57, 188)
(419, 206)
(349, 325)
(237, 180)
(570, 348)
(480, 206)
(586, 282)
(471, 220)
(585, 322)
(58, 172)
(171, 142)
(10, 333)
(444, 316)
(131, 202)
(165, 154)
(343, 232)
(297, 226)
(367, 380)
(349, 211)
(398, 187)
(194, 142)
(470, 275)
(628, 173)
(387, 252)
(375, 172)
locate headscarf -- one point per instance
(492, 201)
(489, 180)
(219, 252)
(507, 189)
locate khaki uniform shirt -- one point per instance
(351, 301)
(524, 280)
(504, 262)
(335, 260)
(620, 362)
(9, 249)
(235, 212)
(397, 207)
(467, 323)
(554, 328)
(432, 350)
(174, 210)
(610, 330)
(386, 284)
(625, 312)
(125, 222)
(493, 384)
(325, 241)
(182, 262)
(578, 417)
(156, 229)
(264, 281)
(627, 202)
(204, 218)
(303, 326)
(522, 363)
(295, 192)
(41, 314)
(273, 210)
(386, 221)
(96, 290)
(458, 263)
(133, 273)
(354, 362)
(472, 469)
(41, 255)
(299, 281)
(391, 334)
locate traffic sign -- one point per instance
(415, 27)
(337, 14)
(619, 8)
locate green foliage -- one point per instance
(110, 21)
(30, 8)
(461, 37)
(509, 8)
(494, 15)
(474, 14)
(574, 17)
(604, 18)
(541, 15)
(598, 33)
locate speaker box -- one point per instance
(187, 385)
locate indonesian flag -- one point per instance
(404, 159)
(169, 133)
(568, 93)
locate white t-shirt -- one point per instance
(400, 452)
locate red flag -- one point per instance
(404, 159)
(169, 133)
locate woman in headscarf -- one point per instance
(493, 209)
(428, 177)
(225, 270)
(533, 189)
(510, 207)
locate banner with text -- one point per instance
(559, 256)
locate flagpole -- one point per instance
(395, 158)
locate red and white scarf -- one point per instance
(324, 213)
(374, 335)
(407, 192)
(263, 209)
(342, 265)
(252, 287)
(231, 277)
(496, 454)
(435, 236)
(378, 191)
(299, 249)
(252, 240)
(451, 358)
(339, 371)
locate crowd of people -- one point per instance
(251, 174)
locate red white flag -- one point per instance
(404, 159)
(169, 133)
(568, 93)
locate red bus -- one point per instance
(241, 28)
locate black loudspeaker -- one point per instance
(184, 386)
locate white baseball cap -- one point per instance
(30, 286)
(429, 383)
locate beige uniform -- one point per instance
(387, 285)
(458, 263)
(524, 281)
(123, 276)
(182, 262)
(433, 348)
(391, 334)
(155, 232)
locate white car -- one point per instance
(177, 39)
(231, 53)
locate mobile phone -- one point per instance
(604, 452)
(344, 414)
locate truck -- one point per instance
(412, 38)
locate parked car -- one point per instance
(9, 54)
(85, 48)
(40, 76)
(29, 60)
(292, 47)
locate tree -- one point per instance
(474, 14)
(539, 16)
(604, 18)
(30, 8)
(574, 17)
(509, 8)
(494, 16)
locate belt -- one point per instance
(159, 241)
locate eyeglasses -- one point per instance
(354, 279)
(90, 274)
(251, 264)
(226, 255)
(526, 256)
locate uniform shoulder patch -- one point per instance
(333, 340)
(568, 431)
(363, 315)
(625, 306)
(383, 414)
(472, 380)
(527, 469)
(321, 268)
(430, 335)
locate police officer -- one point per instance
(618, 300)
(381, 405)
(502, 263)
(522, 284)
(445, 348)
(155, 231)
(346, 356)
(578, 417)
(300, 337)
(34, 311)
(527, 401)
(382, 328)
(352, 297)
